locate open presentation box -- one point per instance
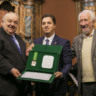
(42, 63)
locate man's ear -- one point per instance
(55, 27)
(94, 21)
(1, 23)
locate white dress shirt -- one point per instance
(50, 39)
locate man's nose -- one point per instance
(12, 23)
(82, 23)
(46, 24)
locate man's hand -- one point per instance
(29, 49)
(15, 72)
(58, 75)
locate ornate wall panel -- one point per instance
(27, 15)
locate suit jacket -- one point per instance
(59, 86)
(10, 57)
(76, 52)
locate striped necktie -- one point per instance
(47, 41)
(16, 43)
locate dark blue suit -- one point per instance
(59, 86)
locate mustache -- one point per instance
(11, 26)
(84, 26)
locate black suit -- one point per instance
(10, 57)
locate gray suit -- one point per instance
(77, 51)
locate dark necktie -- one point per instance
(17, 44)
(47, 42)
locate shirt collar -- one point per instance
(50, 38)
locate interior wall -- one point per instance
(65, 13)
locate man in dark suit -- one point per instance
(12, 58)
(59, 86)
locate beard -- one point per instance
(86, 30)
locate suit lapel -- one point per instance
(80, 42)
(55, 41)
(17, 50)
(93, 43)
(12, 43)
(41, 40)
(22, 47)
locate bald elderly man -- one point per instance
(12, 59)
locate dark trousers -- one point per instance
(72, 90)
(89, 89)
(42, 89)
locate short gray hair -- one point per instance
(87, 11)
(9, 14)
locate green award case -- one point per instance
(42, 63)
